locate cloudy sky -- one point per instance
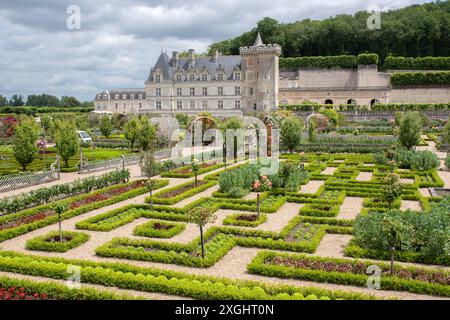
(118, 41)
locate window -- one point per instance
(237, 76)
(178, 77)
(205, 91)
(237, 104)
(254, 106)
(220, 77)
(158, 78)
(179, 104)
(204, 104)
(140, 96)
(220, 104)
(140, 105)
(192, 91)
(191, 104)
(158, 105)
(220, 91)
(192, 77)
(116, 97)
(237, 90)
(117, 106)
(251, 91)
(124, 96)
(158, 92)
(179, 92)
(124, 105)
(265, 75)
(204, 77)
(132, 96)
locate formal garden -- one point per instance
(356, 210)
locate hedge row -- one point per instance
(420, 79)
(164, 281)
(327, 62)
(159, 199)
(232, 220)
(37, 110)
(417, 63)
(177, 172)
(410, 106)
(261, 265)
(166, 229)
(46, 243)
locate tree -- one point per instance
(70, 102)
(16, 101)
(410, 130)
(106, 126)
(312, 130)
(59, 209)
(201, 216)
(24, 148)
(147, 134)
(42, 100)
(195, 168)
(291, 133)
(392, 188)
(66, 140)
(46, 123)
(3, 101)
(150, 167)
(132, 130)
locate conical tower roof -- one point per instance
(258, 40)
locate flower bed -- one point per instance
(180, 192)
(245, 220)
(159, 229)
(18, 289)
(22, 222)
(164, 281)
(350, 272)
(51, 241)
(186, 171)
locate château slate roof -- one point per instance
(227, 63)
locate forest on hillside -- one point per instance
(414, 31)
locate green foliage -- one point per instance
(291, 133)
(312, 130)
(367, 58)
(380, 158)
(147, 134)
(417, 63)
(446, 132)
(159, 229)
(424, 160)
(410, 129)
(106, 126)
(331, 114)
(289, 176)
(238, 182)
(392, 188)
(409, 107)
(447, 162)
(410, 231)
(149, 166)
(16, 100)
(42, 100)
(66, 140)
(342, 61)
(25, 137)
(420, 79)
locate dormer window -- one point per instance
(140, 96)
(192, 77)
(204, 77)
(116, 97)
(237, 76)
(178, 77)
(124, 96)
(132, 96)
(158, 78)
(220, 77)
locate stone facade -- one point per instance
(364, 86)
(222, 85)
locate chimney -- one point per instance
(175, 57)
(191, 56)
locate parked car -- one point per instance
(84, 137)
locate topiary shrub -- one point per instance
(367, 58)
(424, 160)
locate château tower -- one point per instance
(260, 76)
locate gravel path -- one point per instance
(312, 186)
(333, 245)
(409, 204)
(364, 176)
(329, 170)
(350, 208)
